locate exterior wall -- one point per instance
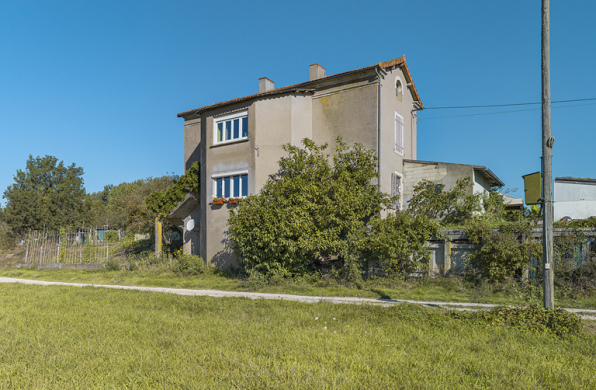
(273, 129)
(391, 160)
(191, 239)
(347, 109)
(222, 159)
(574, 200)
(192, 141)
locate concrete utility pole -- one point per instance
(547, 165)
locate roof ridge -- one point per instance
(387, 64)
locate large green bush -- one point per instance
(505, 252)
(311, 213)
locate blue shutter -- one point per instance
(236, 186)
(245, 127)
(236, 128)
(228, 130)
(219, 189)
(244, 179)
(227, 187)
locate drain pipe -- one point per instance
(379, 126)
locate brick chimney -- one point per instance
(265, 85)
(316, 72)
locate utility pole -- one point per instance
(547, 165)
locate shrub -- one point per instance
(397, 242)
(531, 318)
(112, 265)
(505, 252)
(188, 265)
(111, 236)
(7, 236)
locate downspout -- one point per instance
(379, 126)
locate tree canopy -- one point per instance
(46, 194)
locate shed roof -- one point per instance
(576, 180)
(492, 179)
(309, 86)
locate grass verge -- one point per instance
(67, 337)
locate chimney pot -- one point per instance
(316, 72)
(265, 85)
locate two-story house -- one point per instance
(238, 142)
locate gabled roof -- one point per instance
(308, 86)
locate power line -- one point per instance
(507, 105)
(501, 112)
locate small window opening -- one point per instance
(398, 89)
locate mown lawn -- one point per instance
(440, 289)
(67, 337)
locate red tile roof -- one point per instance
(302, 87)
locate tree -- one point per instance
(124, 205)
(310, 213)
(455, 206)
(46, 194)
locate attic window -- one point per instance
(398, 88)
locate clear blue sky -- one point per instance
(99, 83)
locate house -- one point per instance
(238, 142)
(575, 198)
(447, 174)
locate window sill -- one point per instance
(236, 141)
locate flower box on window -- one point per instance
(220, 200)
(233, 200)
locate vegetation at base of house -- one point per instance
(67, 337)
(313, 215)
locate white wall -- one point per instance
(574, 200)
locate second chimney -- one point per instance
(265, 85)
(316, 72)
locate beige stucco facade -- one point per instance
(360, 106)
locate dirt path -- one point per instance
(584, 313)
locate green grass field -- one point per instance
(69, 337)
(440, 289)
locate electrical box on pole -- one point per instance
(533, 188)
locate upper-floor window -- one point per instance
(231, 186)
(399, 134)
(231, 127)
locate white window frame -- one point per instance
(399, 177)
(225, 118)
(230, 174)
(401, 120)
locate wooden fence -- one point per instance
(82, 246)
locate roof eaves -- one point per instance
(244, 98)
(490, 175)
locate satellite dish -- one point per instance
(190, 224)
